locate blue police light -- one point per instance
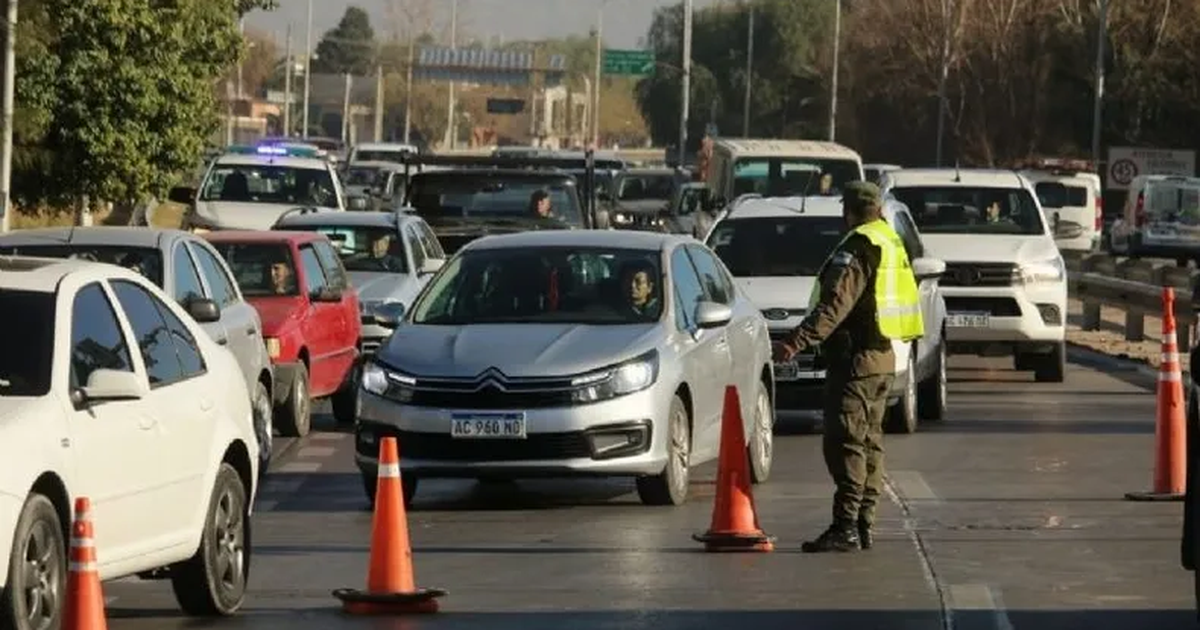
(271, 150)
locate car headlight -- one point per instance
(274, 348)
(619, 380)
(622, 217)
(381, 381)
(1053, 270)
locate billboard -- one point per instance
(1126, 163)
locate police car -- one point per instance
(775, 247)
(250, 187)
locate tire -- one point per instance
(39, 534)
(931, 396)
(902, 416)
(408, 484)
(345, 401)
(213, 582)
(670, 487)
(294, 417)
(262, 427)
(761, 447)
(1052, 368)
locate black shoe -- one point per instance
(834, 539)
(865, 537)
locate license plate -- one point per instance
(968, 320)
(488, 425)
(792, 372)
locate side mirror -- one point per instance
(182, 195)
(389, 314)
(925, 268)
(431, 265)
(327, 295)
(357, 203)
(203, 310)
(712, 315)
(111, 385)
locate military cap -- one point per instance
(859, 194)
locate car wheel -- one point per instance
(902, 416)
(762, 441)
(262, 427)
(37, 576)
(670, 487)
(931, 399)
(294, 417)
(1052, 368)
(408, 483)
(345, 401)
(213, 582)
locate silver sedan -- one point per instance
(570, 353)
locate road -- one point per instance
(1008, 515)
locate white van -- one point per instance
(380, 152)
(780, 168)
(1070, 194)
(1161, 218)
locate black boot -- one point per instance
(866, 538)
(836, 538)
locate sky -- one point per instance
(625, 21)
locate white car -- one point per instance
(249, 188)
(1161, 217)
(775, 247)
(1005, 281)
(1071, 196)
(109, 390)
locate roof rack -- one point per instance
(301, 210)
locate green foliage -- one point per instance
(348, 47)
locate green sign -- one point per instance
(633, 63)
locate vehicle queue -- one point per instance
(531, 346)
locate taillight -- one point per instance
(1139, 212)
(1099, 213)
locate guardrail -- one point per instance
(1136, 287)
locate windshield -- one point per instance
(461, 195)
(145, 261)
(1173, 198)
(1055, 195)
(364, 248)
(776, 246)
(395, 155)
(262, 183)
(362, 176)
(794, 177)
(970, 210)
(545, 285)
(261, 269)
(27, 336)
(645, 187)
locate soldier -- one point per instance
(866, 296)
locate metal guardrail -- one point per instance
(1136, 287)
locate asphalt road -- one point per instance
(1008, 515)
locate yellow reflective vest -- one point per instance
(897, 298)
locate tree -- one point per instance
(262, 63)
(348, 47)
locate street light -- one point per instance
(687, 81)
(308, 55)
(10, 73)
(1098, 102)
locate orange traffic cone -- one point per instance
(391, 588)
(84, 608)
(1170, 445)
(734, 521)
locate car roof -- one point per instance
(43, 275)
(952, 177)
(357, 219)
(751, 147)
(151, 238)
(263, 236)
(238, 159)
(616, 239)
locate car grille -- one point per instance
(995, 306)
(979, 275)
(489, 397)
(442, 447)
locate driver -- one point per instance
(539, 204)
(282, 280)
(638, 281)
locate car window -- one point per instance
(793, 176)
(145, 261)
(688, 289)
(539, 285)
(187, 279)
(433, 249)
(332, 266)
(908, 234)
(717, 286)
(154, 338)
(218, 281)
(413, 242)
(363, 247)
(261, 269)
(27, 337)
(776, 246)
(96, 338)
(314, 275)
(271, 184)
(972, 210)
(1056, 195)
(153, 312)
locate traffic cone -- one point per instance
(391, 588)
(734, 524)
(84, 608)
(1170, 438)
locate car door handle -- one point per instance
(223, 341)
(252, 331)
(749, 327)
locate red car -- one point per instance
(310, 318)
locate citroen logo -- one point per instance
(490, 377)
(775, 314)
(968, 276)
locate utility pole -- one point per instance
(451, 128)
(308, 54)
(10, 73)
(289, 70)
(379, 103)
(596, 80)
(833, 82)
(749, 74)
(947, 11)
(242, 32)
(685, 104)
(1098, 103)
(408, 90)
(347, 122)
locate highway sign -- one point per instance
(1126, 163)
(630, 63)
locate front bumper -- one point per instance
(562, 441)
(1021, 314)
